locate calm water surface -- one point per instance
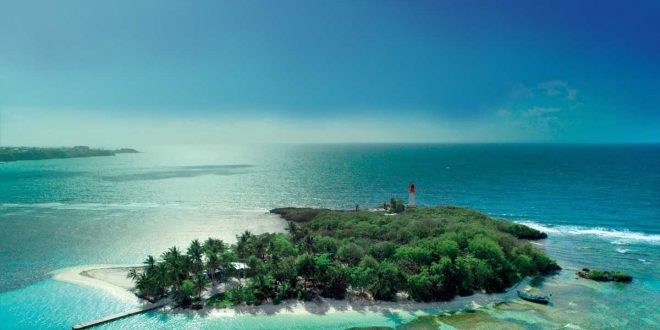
(599, 204)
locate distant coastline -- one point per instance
(10, 154)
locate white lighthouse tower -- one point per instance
(411, 195)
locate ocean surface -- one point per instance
(600, 205)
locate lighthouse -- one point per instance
(411, 195)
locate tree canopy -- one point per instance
(428, 254)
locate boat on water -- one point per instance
(539, 299)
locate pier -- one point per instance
(122, 315)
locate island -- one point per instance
(8, 154)
(421, 254)
(604, 275)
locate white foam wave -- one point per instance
(622, 250)
(620, 237)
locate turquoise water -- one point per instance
(600, 205)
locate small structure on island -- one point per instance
(411, 195)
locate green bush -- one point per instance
(432, 253)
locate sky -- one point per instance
(109, 73)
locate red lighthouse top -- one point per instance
(411, 188)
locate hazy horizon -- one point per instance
(213, 72)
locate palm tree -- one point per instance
(199, 283)
(245, 236)
(133, 274)
(150, 263)
(175, 266)
(195, 253)
(308, 243)
(243, 246)
(294, 231)
(212, 263)
(212, 245)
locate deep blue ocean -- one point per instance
(600, 204)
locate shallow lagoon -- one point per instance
(599, 204)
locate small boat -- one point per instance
(539, 299)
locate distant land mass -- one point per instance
(8, 154)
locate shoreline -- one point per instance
(111, 279)
(82, 275)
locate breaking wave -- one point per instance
(620, 237)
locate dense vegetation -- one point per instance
(604, 275)
(428, 253)
(25, 153)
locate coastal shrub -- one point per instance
(261, 287)
(464, 275)
(296, 214)
(486, 249)
(417, 255)
(383, 250)
(604, 275)
(439, 247)
(519, 231)
(335, 281)
(361, 278)
(431, 253)
(350, 253)
(525, 264)
(368, 262)
(282, 246)
(420, 286)
(397, 206)
(306, 268)
(326, 244)
(621, 277)
(284, 270)
(183, 294)
(219, 300)
(444, 276)
(388, 281)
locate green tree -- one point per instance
(417, 255)
(361, 278)
(524, 264)
(195, 253)
(444, 277)
(335, 281)
(306, 267)
(464, 275)
(281, 246)
(383, 250)
(244, 245)
(326, 244)
(262, 287)
(294, 231)
(284, 271)
(350, 253)
(420, 286)
(387, 282)
(183, 293)
(200, 282)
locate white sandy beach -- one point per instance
(112, 279)
(109, 278)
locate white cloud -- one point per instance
(555, 88)
(571, 94)
(539, 111)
